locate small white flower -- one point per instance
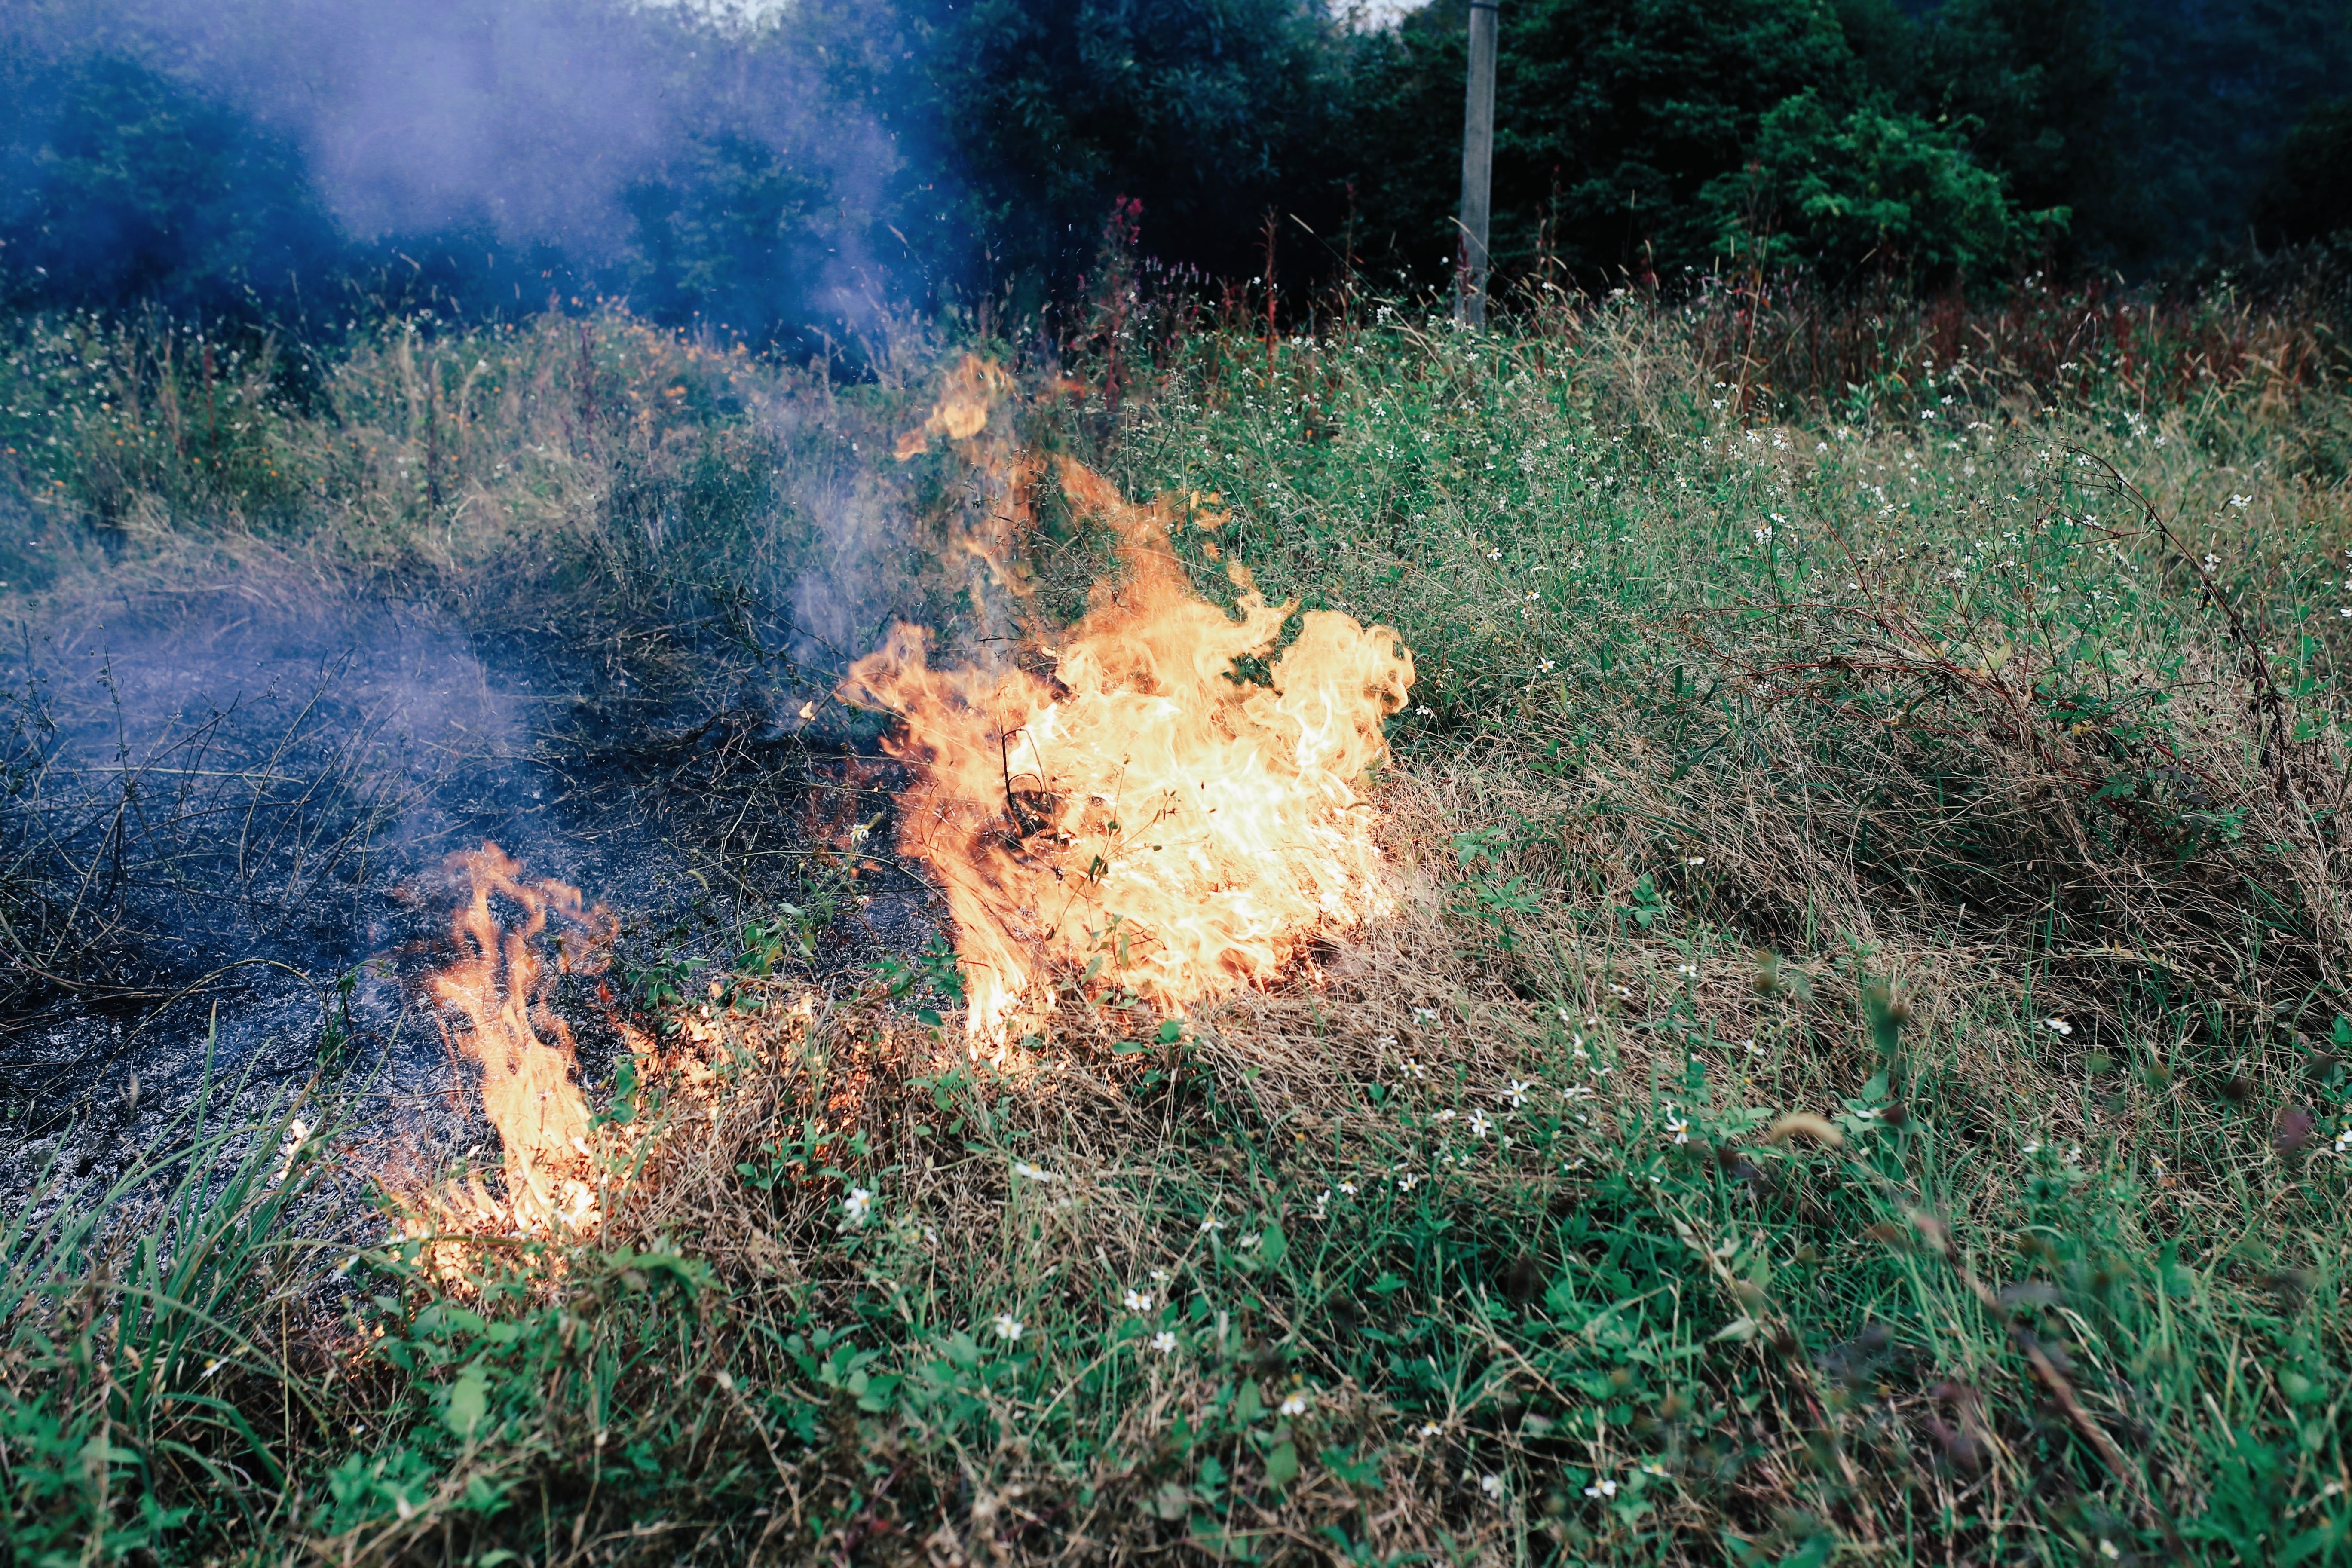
(1422, 712)
(1160, 1277)
(1687, 969)
(857, 1205)
(1492, 1485)
(1653, 1470)
(1753, 1047)
(1164, 1343)
(2058, 1025)
(1517, 1093)
(1679, 1126)
(1415, 1069)
(212, 1366)
(2032, 1147)
(1424, 1014)
(1008, 1326)
(2239, 501)
(1296, 1404)
(1405, 1182)
(1250, 1238)
(1348, 1189)
(1022, 1168)
(2108, 1549)
(1213, 1222)
(1430, 1429)
(1565, 1015)
(1480, 1125)
(1695, 860)
(1139, 1301)
(1605, 1489)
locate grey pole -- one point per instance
(1477, 167)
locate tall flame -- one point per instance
(494, 1011)
(1140, 805)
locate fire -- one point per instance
(1138, 809)
(971, 391)
(494, 1012)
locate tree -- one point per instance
(1877, 189)
(1208, 112)
(2307, 194)
(2033, 82)
(1611, 117)
(118, 183)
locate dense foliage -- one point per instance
(800, 173)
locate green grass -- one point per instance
(1766, 760)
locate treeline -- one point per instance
(799, 173)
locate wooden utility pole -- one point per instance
(1478, 168)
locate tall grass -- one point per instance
(1858, 1069)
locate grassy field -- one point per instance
(1858, 1071)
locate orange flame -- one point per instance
(963, 408)
(1140, 805)
(497, 990)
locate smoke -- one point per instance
(758, 172)
(224, 850)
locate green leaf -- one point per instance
(1282, 1466)
(1272, 1245)
(1343, 1463)
(469, 1401)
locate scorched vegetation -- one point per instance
(1857, 1070)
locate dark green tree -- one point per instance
(118, 183)
(2307, 194)
(1611, 117)
(2033, 84)
(1210, 112)
(1876, 190)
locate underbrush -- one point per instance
(1858, 1067)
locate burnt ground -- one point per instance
(220, 864)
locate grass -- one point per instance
(1857, 1072)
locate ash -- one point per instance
(220, 853)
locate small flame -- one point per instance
(973, 389)
(1142, 806)
(497, 990)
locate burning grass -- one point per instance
(1853, 1057)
